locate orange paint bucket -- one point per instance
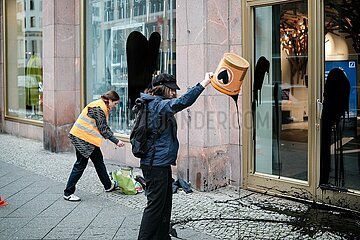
(229, 74)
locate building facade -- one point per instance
(58, 55)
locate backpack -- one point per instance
(139, 137)
(142, 136)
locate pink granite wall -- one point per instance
(61, 71)
(210, 150)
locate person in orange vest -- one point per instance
(87, 135)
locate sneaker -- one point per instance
(114, 185)
(72, 198)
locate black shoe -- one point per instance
(140, 180)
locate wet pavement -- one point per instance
(32, 182)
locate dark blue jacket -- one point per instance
(161, 114)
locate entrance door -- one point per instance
(280, 93)
(340, 119)
(303, 98)
(280, 105)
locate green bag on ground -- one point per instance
(125, 182)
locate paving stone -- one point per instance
(65, 233)
(8, 233)
(98, 233)
(12, 223)
(31, 233)
(43, 222)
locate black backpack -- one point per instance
(140, 134)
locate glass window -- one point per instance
(31, 4)
(340, 141)
(280, 91)
(108, 24)
(32, 22)
(24, 90)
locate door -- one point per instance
(280, 103)
(296, 145)
(340, 129)
(280, 93)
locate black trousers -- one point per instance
(155, 221)
(79, 167)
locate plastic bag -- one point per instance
(139, 188)
(125, 182)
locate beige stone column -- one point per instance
(210, 151)
(61, 71)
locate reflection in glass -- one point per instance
(108, 24)
(281, 113)
(341, 163)
(24, 83)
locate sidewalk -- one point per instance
(32, 182)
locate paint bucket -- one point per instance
(229, 74)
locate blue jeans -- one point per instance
(155, 223)
(79, 167)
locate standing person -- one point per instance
(87, 135)
(156, 165)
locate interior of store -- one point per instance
(341, 51)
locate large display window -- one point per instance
(23, 59)
(281, 106)
(108, 23)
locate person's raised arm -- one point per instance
(186, 100)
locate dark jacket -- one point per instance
(161, 114)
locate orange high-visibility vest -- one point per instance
(85, 127)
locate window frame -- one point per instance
(6, 93)
(83, 48)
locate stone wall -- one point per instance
(209, 156)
